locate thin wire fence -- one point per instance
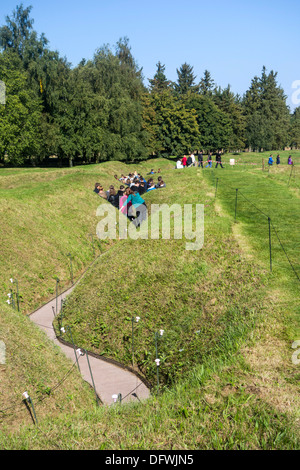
(232, 194)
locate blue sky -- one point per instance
(232, 39)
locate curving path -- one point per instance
(109, 379)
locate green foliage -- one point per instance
(173, 127)
(295, 128)
(206, 84)
(214, 124)
(20, 125)
(100, 110)
(267, 114)
(186, 81)
(159, 82)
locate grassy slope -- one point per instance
(35, 365)
(215, 400)
(45, 215)
(180, 291)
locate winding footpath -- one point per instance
(108, 379)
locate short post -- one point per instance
(133, 320)
(57, 282)
(157, 360)
(12, 299)
(88, 361)
(27, 398)
(270, 243)
(61, 316)
(15, 281)
(216, 187)
(71, 267)
(236, 199)
(132, 341)
(75, 352)
(18, 301)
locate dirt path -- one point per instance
(109, 379)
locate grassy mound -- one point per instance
(202, 299)
(226, 373)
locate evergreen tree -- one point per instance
(207, 84)
(159, 82)
(214, 125)
(173, 128)
(231, 104)
(186, 81)
(295, 128)
(267, 115)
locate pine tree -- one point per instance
(186, 81)
(214, 124)
(159, 82)
(207, 84)
(231, 104)
(172, 126)
(295, 128)
(267, 114)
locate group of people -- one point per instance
(128, 198)
(271, 161)
(189, 161)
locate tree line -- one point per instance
(101, 109)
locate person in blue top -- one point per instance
(139, 204)
(270, 162)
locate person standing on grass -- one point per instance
(219, 159)
(193, 159)
(278, 160)
(270, 162)
(189, 161)
(290, 161)
(209, 160)
(183, 161)
(200, 159)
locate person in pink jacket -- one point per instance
(125, 208)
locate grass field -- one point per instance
(226, 379)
